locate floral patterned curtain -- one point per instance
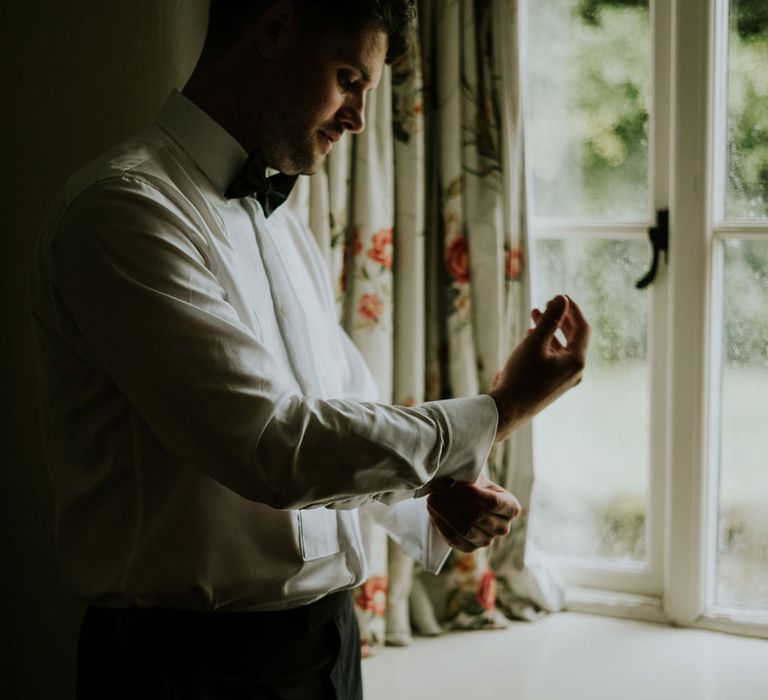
(422, 220)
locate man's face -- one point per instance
(318, 94)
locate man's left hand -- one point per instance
(471, 515)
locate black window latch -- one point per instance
(659, 235)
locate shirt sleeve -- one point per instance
(130, 269)
(407, 521)
(409, 524)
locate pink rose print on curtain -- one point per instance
(370, 307)
(371, 605)
(372, 595)
(381, 248)
(457, 259)
(471, 600)
(513, 263)
(486, 590)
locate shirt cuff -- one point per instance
(471, 424)
(468, 427)
(409, 524)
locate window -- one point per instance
(651, 474)
(740, 240)
(590, 117)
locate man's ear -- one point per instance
(276, 30)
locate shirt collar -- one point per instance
(213, 149)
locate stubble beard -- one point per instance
(293, 149)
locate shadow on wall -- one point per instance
(78, 77)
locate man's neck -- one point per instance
(220, 104)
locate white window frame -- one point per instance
(639, 583)
(688, 147)
(700, 227)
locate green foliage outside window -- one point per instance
(612, 104)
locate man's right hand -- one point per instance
(541, 368)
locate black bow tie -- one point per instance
(270, 191)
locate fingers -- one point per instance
(472, 523)
(567, 326)
(449, 533)
(470, 516)
(572, 323)
(548, 322)
(536, 315)
(579, 336)
(483, 496)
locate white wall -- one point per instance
(75, 77)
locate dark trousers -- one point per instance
(303, 653)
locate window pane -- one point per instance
(742, 571)
(588, 75)
(747, 187)
(591, 446)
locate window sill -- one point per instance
(734, 621)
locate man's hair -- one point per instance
(227, 18)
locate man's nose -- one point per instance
(353, 116)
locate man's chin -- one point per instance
(314, 167)
(305, 165)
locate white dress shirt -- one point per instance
(210, 429)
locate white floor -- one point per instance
(570, 656)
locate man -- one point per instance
(211, 432)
